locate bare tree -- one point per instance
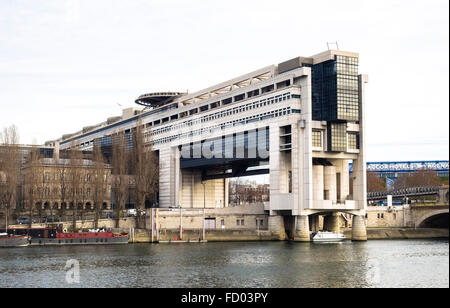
(145, 169)
(83, 189)
(100, 182)
(120, 172)
(63, 176)
(75, 178)
(419, 178)
(424, 177)
(374, 182)
(9, 169)
(31, 181)
(42, 177)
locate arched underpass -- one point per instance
(435, 221)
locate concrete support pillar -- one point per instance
(318, 182)
(314, 222)
(359, 165)
(301, 229)
(178, 177)
(276, 227)
(359, 232)
(168, 177)
(345, 180)
(330, 183)
(331, 223)
(226, 183)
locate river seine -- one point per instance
(393, 263)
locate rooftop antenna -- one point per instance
(333, 43)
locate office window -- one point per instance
(337, 137)
(352, 141)
(317, 139)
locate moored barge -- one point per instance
(54, 236)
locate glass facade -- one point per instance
(335, 99)
(337, 137)
(347, 88)
(335, 90)
(324, 91)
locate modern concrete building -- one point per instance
(301, 121)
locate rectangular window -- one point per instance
(238, 98)
(317, 139)
(352, 140)
(227, 101)
(337, 137)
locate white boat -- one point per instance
(7, 241)
(325, 236)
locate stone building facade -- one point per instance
(55, 184)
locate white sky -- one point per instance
(65, 64)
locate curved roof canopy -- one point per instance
(157, 99)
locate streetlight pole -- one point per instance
(181, 224)
(204, 209)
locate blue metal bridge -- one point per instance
(392, 169)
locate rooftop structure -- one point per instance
(157, 99)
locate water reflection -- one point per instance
(419, 263)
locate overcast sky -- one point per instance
(65, 64)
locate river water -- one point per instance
(393, 263)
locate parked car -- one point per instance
(23, 221)
(110, 215)
(131, 212)
(48, 219)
